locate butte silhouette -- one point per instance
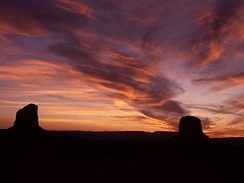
(26, 123)
(190, 132)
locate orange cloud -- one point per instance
(219, 30)
(75, 7)
(36, 70)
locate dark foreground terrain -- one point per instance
(67, 158)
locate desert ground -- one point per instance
(63, 157)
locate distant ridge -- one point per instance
(115, 135)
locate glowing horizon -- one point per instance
(122, 65)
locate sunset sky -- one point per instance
(105, 65)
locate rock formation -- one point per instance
(26, 123)
(27, 117)
(190, 131)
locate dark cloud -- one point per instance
(222, 78)
(173, 106)
(37, 17)
(169, 111)
(218, 109)
(236, 105)
(206, 123)
(226, 10)
(89, 30)
(236, 123)
(216, 29)
(126, 78)
(222, 82)
(228, 107)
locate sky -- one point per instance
(105, 65)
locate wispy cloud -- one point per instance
(219, 28)
(222, 82)
(126, 78)
(145, 54)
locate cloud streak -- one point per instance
(219, 29)
(128, 79)
(223, 82)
